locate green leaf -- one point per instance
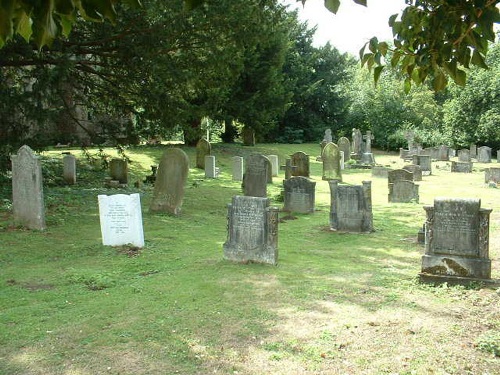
(362, 51)
(332, 5)
(383, 47)
(64, 6)
(192, 4)
(478, 60)
(24, 26)
(392, 19)
(460, 77)
(395, 58)
(373, 44)
(366, 57)
(44, 25)
(360, 2)
(439, 82)
(6, 17)
(407, 85)
(376, 73)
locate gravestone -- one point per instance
(237, 168)
(248, 136)
(443, 153)
(69, 169)
(425, 163)
(118, 170)
(410, 138)
(498, 156)
(256, 176)
(356, 145)
(328, 136)
(461, 167)
(456, 239)
(351, 207)
(170, 182)
(345, 146)
(27, 189)
(399, 175)
(405, 154)
(301, 161)
(210, 169)
(416, 170)
(288, 168)
(464, 155)
(299, 194)
(342, 164)
(274, 164)
(492, 175)
(368, 141)
(252, 231)
(121, 220)
(473, 150)
(484, 154)
(203, 148)
(403, 191)
(269, 171)
(380, 171)
(331, 163)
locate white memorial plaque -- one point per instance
(121, 220)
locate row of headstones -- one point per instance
(456, 230)
(482, 154)
(361, 150)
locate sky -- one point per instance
(352, 26)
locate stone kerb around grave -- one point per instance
(170, 182)
(456, 240)
(252, 231)
(27, 189)
(351, 207)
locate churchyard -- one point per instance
(335, 303)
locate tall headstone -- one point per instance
(356, 145)
(252, 231)
(345, 146)
(403, 191)
(492, 175)
(331, 162)
(121, 220)
(203, 148)
(300, 194)
(425, 163)
(473, 150)
(256, 176)
(118, 170)
(301, 161)
(416, 170)
(464, 155)
(27, 189)
(351, 207)
(328, 136)
(69, 169)
(248, 136)
(457, 239)
(368, 141)
(274, 164)
(237, 168)
(484, 154)
(210, 170)
(170, 182)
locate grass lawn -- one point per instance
(336, 303)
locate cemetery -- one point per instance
(252, 269)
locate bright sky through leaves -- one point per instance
(352, 26)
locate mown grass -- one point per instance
(336, 303)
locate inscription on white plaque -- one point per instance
(121, 220)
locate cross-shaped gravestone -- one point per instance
(288, 168)
(368, 138)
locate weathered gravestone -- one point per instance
(461, 167)
(237, 168)
(399, 175)
(345, 146)
(331, 162)
(274, 164)
(492, 175)
(456, 239)
(252, 231)
(416, 170)
(367, 156)
(301, 161)
(380, 171)
(299, 194)
(121, 220)
(248, 136)
(203, 148)
(288, 168)
(425, 163)
(484, 154)
(27, 189)
(256, 175)
(210, 168)
(351, 207)
(118, 170)
(464, 155)
(473, 150)
(328, 136)
(403, 191)
(170, 182)
(357, 144)
(443, 153)
(69, 169)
